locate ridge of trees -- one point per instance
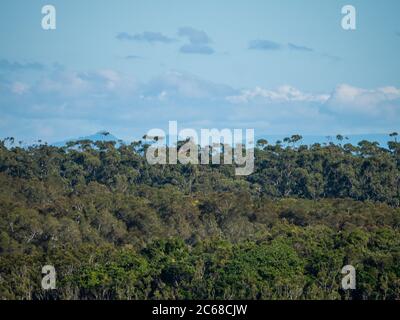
(117, 228)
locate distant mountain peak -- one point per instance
(102, 135)
(103, 132)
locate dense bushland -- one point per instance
(115, 227)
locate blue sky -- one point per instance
(280, 67)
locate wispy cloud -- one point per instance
(295, 47)
(264, 45)
(133, 57)
(284, 93)
(178, 85)
(330, 57)
(6, 65)
(199, 41)
(268, 45)
(147, 36)
(19, 88)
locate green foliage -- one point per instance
(115, 227)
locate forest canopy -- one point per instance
(116, 227)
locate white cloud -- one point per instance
(346, 98)
(63, 102)
(112, 78)
(65, 83)
(284, 93)
(75, 84)
(174, 84)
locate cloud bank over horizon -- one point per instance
(60, 103)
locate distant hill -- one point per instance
(99, 136)
(382, 139)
